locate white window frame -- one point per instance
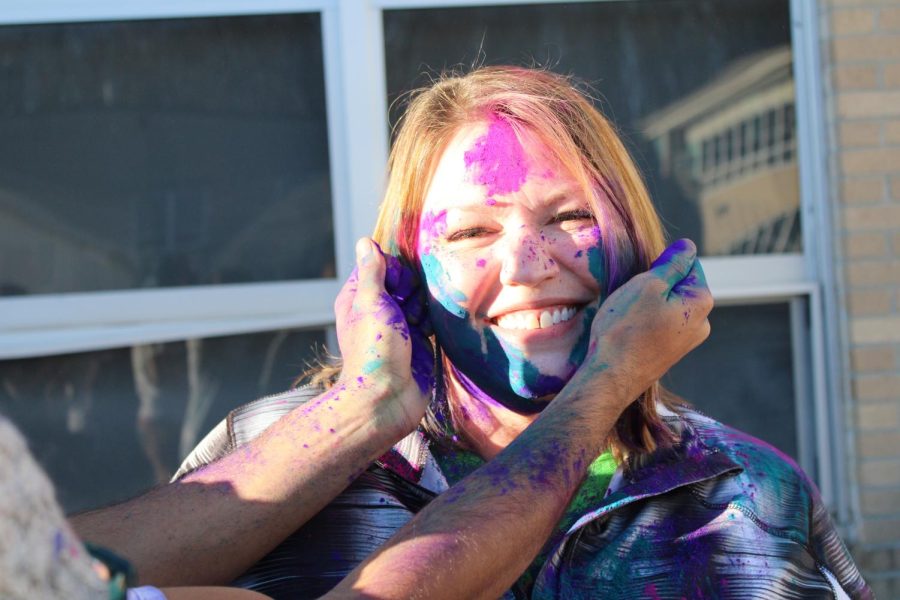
(355, 85)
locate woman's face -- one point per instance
(510, 253)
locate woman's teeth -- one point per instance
(535, 319)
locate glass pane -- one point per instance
(681, 79)
(743, 374)
(107, 425)
(163, 153)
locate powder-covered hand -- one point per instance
(383, 331)
(651, 322)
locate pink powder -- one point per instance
(481, 263)
(431, 227)
(496, 159)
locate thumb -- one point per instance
(370, 268)
(676, 262)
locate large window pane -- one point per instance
(163, 153)
(701, 90)
(743, 374)
(106, 425)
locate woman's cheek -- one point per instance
(588, 252)
(439, 276)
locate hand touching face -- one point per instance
(510, 253)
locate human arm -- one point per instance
(474, 540)
(215, 522)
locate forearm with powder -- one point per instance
(214, 523)
(477, 538)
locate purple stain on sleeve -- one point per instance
(496, 160)
(59, 541)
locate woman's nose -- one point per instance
(527, 259)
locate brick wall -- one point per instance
(862, 61)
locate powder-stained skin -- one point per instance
(511, 216)
(497, 160)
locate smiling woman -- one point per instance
(500, 364)
(520, 202)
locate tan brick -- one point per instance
(852, 20)
(892, 75)
(875, 387)
(871, 217)
(865, 245)
(874, 560)
(875, 330)
(888, 19)
(866, 47)
(878, 160)
(873, 358)
(855, 77)
(868, 104)
(892, 132)
(838, 3)
(877, 415)
(881, 473)
(872, 273)
(866, 189)
(895, 243)
(880, 502)
(879, 444)
(860, 133)
(880, 531)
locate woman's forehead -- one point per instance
(490, 160)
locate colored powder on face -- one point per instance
(480, 263)
(579, 351)
(497, 160)
(490, 202)
(431, 228)
(440, 287)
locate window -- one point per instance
(247, 111)
(109, 424)
(162, 153)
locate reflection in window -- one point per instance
(163, 153)
(701, 90)
(109, 424)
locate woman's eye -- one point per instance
(573, 215)
(465, 234)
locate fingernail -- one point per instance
(363, 250)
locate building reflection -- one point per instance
(731, 148)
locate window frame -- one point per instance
(357, 124)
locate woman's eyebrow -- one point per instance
(480, 205)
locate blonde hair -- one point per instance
(553, 108)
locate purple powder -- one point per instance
(433, 226)
(497, 160)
